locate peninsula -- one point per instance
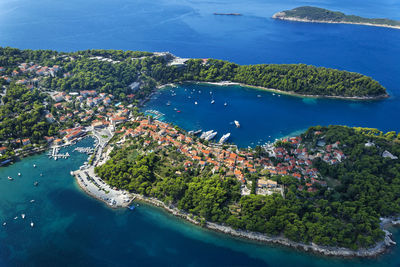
(44, 92)
(321, 15)
(313, 191)
(325, 190)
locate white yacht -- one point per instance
(224, 138)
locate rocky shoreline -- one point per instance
(378, 249)
(228, 83)
(282, 16)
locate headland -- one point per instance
(320, 15)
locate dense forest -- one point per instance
(321, 14)
(362, 189)
(298, 78)
(149, 69)
(21, 115)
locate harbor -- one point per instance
(88, 180)
(155, 114)
(55, 154)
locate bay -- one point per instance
(264, 116)
(72, 228)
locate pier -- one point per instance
(86, 150)
(155, 113)
(56, 155)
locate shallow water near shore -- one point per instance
(72, 228)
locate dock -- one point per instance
(56, 155)
(155, 113)
(86, 150)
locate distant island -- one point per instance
(227, 14)
(321, 15)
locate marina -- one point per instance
(54, 154)
(62, 213)
(155, 113)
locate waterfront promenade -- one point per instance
(95, 186)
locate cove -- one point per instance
(265, 116)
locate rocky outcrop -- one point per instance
(379, 248)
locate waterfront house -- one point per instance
(26, 142)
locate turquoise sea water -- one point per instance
(73, 229)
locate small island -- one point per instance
(321, 15)
(227, 14)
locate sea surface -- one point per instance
(263, 115)
(73, 229)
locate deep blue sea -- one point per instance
(73, 229)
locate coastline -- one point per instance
(380, 248)
(291, 93)
(115, 198)
(281, 16)
(96, 187)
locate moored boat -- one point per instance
(205, 134)
(224, 138)
(210, 136)
(237, 123)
